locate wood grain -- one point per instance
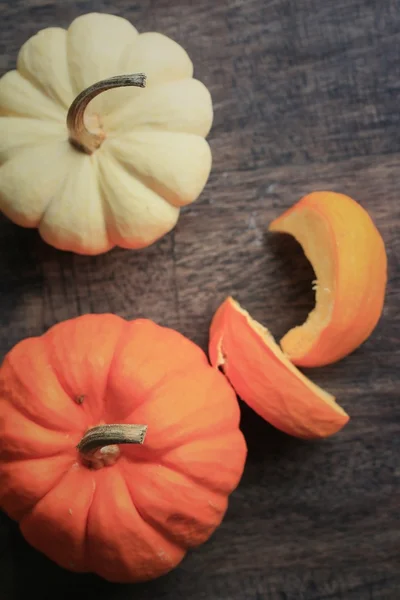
(306, 96)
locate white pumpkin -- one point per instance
(119, 177)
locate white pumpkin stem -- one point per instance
(99, 446)
(79, 136)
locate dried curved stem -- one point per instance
(108, 435)
(81, 137)
(99, 447)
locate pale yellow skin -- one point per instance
(154, 158)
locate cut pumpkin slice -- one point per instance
(266, 380)
(348, 255)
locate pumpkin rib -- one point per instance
(159, 453)
(104, 202)
(148, 395)
(126, 515)
(19, 471)
(82, 228)
(158, 527)
(59, 479)
(35, 418)
(86, 536)
(46, 165)
(47, 359)
(119, 345)
(49, 110)
(34, 83)
(59, 379)
(192, 435)
(211, 433)
(89, 326)
(20, 133)
(89, 59)
(105, 206)
(151, 393)
(42, 61)
(147, 216)
(54, 522)
(206, 483)
(149, 522)
(169, 63)
(51, 455)
(133, 172)
(149, 129)
(208, 499)
(179, 97)
(47, 455)
(177, 192)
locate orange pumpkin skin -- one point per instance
(349, 258)
(134, 520)
(266, 379)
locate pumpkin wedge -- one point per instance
(348, 255)
(266, 380)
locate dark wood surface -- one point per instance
(306, 96)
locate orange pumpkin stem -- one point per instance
(80, 137)
(99, 446)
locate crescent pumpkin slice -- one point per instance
(265, 378)
(348, 255)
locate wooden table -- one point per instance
(306, 96)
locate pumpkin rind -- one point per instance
(79, 202)
(133, 520)
(266, 380)
(348, 255)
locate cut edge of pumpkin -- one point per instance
(269, 340)
(219, 359)
(312, 231)
(347, 252)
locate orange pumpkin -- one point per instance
(119, 445)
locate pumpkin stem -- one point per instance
(99, 446)
(79, 136)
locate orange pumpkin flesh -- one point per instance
(266, 380)
(349, 259)
(134, 519)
